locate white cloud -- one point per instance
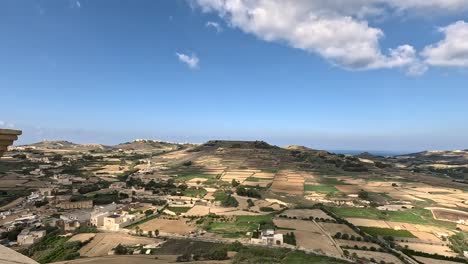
(331, 28)
(452, 51)
(6, 124)
(434, 5)
(214, 25)
(191, 61)
(74, 4)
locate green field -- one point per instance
(320, 188)
(241, 225)
(269, 170)
(254, 179)
(54, 248)
(376, 231)
(187, 175)
(193, 192)
(331, 181)
(279, 256)
(179, 210)
(299, 257)
(414, 216)
(220, 196)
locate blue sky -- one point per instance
(111, 71)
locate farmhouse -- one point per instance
(99, 212)
(266, 237)
(116, 221)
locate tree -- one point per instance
(183, 258)
(156, 232)
(338, 235)
(120, 250)
(346, 252)
(150, 233)
(230, 202)
(149, 212)
(217, 254)
(234, 183)
(363, 194)
(250, 203)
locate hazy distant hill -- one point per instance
(66, 145)
(145, 144)
(453, 157)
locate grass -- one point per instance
(254, 179)
(54, 248)
(241, 225)
(193, 192)
(414, 216)
(269, 170)
(220, 196)
(179, 210)
(187, 175)
(331, 181)
(299, 257)
(376, 231)
(280, 256)
(320, 188)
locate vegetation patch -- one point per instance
(331, 181)
(459, 242)
(179, 210)
(414, 216)
(240, 225)
(187, 175)
(54, 248)
(320, 188)
(376, 231)
(195, 192)
(279, 256)
(254, 179)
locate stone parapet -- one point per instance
(7, 137)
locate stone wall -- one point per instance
(7, 137)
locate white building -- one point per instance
(267, 237)
(116, 221)
(99, 212)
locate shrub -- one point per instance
(266, 209)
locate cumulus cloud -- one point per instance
(190, 60)
(214, 25)
(452, 51)
(330, 28)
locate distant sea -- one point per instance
(373, 152)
